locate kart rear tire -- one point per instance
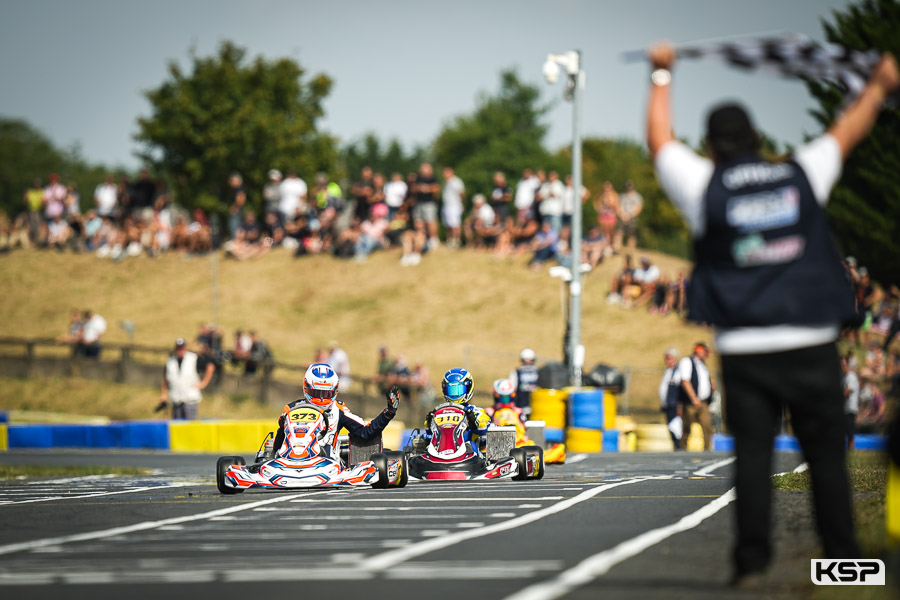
(404, 466)
(539, 452)
(521, 460)
(381, 463)
(222, 465)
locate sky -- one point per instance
(77, 70)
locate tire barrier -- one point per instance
(722, 443)
(892, 503)
(4, 440)
(611, 440)
(579, 439)
(653, 438)
(549, 406)
(586, 409)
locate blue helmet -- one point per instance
(458, 386)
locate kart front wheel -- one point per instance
(522, 461)
(222, 465)
(403, 467)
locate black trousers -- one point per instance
(808, 382)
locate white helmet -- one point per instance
(527, 354)
(320, 384)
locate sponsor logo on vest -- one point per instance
(847, 572)
(766, 210)
(754, 250)
(756, 174)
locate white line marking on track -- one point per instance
(599, 564)
(116, 531)
(73, 479)
(576, 459)
(473, 499)
(383, 561)
(707, 470)
(95, 494)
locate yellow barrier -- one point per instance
(549, 406)
(653, 438)
(193, 436)
(695, 441)
(892, 503)
(242, 436)
(579, 439)
(609, 410)
(628, 441)
(4, 439)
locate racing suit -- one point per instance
(338, 417)
(478, 421)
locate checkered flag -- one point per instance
(789, 56)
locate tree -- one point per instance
(865, 205)
(369, 152)
(230, 115)
(504, 133)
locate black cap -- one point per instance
(730, 130)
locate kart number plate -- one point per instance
(304, 414)
(448, 419)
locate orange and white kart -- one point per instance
(303, 462)
(505, 416)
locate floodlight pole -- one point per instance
(571, 61)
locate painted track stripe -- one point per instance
(599, 564)
(105, 533)
(94, 494)
(383, 561)
(707, 470)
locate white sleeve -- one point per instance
(820, 159)
(684, 369)
(684, 177)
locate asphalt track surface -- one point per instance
(603, 525)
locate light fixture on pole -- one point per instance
(571, 62)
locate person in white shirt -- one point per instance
(769, 280)
(105, 197)
(452, 209)
(669, 387)
(293, 197)
(184, 376)
(93, 330)
(394, 194)
(850, 384)
(340, 362)
(551, 206)
(525, 190)
(697, 388)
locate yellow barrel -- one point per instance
(653, 438)
(695, 440)
(549, 406)
(609, 410)
(579, 439)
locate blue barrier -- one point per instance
(4, 416)
(867, 441)
(29, 436)
(611, 440)
(787, 443)
(586, 408)
(722, 443)
(107, 436)
(70, 436)
(147, 434)
(554, 434)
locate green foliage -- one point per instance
(229, 114)
(369, 151)
(504, 133)
(660, 225)
(865, 205)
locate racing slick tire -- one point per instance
(539, 452)
(381, 463)
(404, 466)
(522, 461)
(222, 466)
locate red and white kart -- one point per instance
(304, 462)
(442, 453)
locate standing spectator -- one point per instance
(669, 393)
(34, 201)
(362, 191)
(452, 209)
(91, 333)
(340, 362)
(235, 199)
(552, 198)
(272, 192)
(697, 388)
(631, 203)
(185, 375)
(500, 198)
(850, 385)
(569, 202)
(106, 196)
(525, 378)
(141, 193)
(242, 346)
(293, 197)
(525, 190)
(260, 356)
(790, 269)
(425, 209)
(384, 369)
(54, 198)
(394, 194)
(607, 207)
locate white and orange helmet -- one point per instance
(320, 384)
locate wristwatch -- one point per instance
(661, 77)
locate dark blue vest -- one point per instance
(767, 257)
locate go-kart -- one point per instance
(443, 453)
(304, 462)
(508, 417)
